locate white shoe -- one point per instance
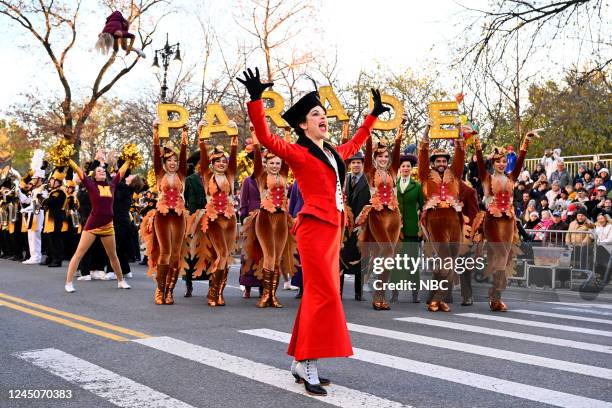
(110, 276)
(122, 284)
(84, 278)
(288, 286)
(97, 275)
(307, 370)
(128, 275)
(30, 262)
(69, 287)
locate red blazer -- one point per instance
(313, 171)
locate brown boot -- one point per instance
(275, 281)
(160, 291)
(434, 306)
(266, 283)
(170, 284)
(222, 282)
(213, 288)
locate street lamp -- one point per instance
(166, 53)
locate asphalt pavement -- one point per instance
(105, 347)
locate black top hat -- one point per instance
(357, 156)
(297, 113)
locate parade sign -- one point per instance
(218, 121)
(444, 117)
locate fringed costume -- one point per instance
(381, 220)
(499, 226)
(441, 218)
(268, 246)
(212, 231)
(163, 230)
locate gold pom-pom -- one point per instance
(61, 152)
(245, 165)
(130, 153)
(152, 181)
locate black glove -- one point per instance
(253, 84)
(378, 108)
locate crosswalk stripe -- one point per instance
(584, 310)
(522, 358)
(500, 386)
(115, 388)
(563, 316)
(338, 395)
(587, 305)
(532, 323)
(509, 334)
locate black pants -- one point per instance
(123, 243)
(55, 242)
(94, 259)
(358, 284)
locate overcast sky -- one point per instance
(398, 34)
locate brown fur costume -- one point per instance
(211, 232)
(268, 245)
(442, 219)
(500, 230)
(163, 230)
(381, 221)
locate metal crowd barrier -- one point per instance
(566, 254)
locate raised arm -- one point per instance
(232, 165)
(76, 169)
(157, 161)
(182, 170)
(367, 162)
(123, 169)
(522, 154)
(480, 162)
(423, 164)
(349, 148)
(397, 147)
(459, 157)
(257, 165)
(204, 162)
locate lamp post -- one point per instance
(166, 53)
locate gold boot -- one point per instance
(267, 287)
(170, 284)
(275, 281)
(213, 289)
(222, 282)
(160, 291)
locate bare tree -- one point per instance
(49, 20)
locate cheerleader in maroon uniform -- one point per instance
(100, 221)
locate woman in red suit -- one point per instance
(320, 326)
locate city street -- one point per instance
(104, 347)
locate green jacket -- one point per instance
(410, 201)
(195, 198)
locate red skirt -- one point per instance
(320, 328)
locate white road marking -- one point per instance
(532, 323)
(587, 305)
(509, 334)
(114, 388)
(522, 358)
(524, 391)
(338, 395)
(562, 316)
(584, 310)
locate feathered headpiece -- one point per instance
(169, 150)
(380, 147)
(217, 153)
(498, 153)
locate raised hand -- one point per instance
(378, 108)
(253, 84)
